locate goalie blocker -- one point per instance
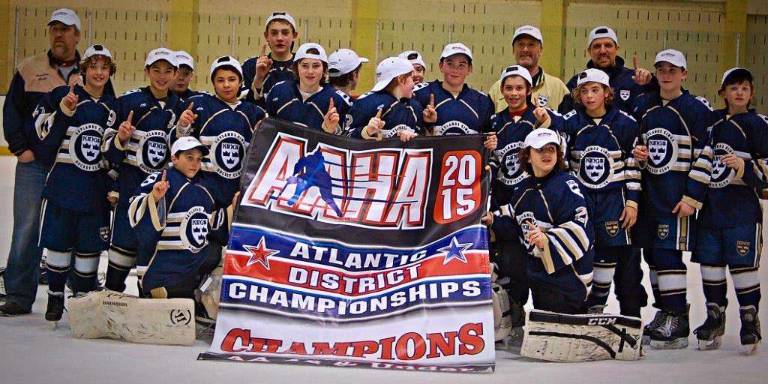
(572, 338)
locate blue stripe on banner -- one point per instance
(256, 295)
(325, 252)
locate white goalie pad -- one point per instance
(571, 338)
(211, 292)
(119, 316)
(502, 322)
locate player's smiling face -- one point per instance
(188, 162)
(310, 73)
(97, 72)
(405, 85)
(226, 83)
(161, 75)
(418, 73)
(592, 96)
(527, 51)
(603, 52)
(455, 69)
(515, 90)
(670, 77)
(280, 35)
(738, 96)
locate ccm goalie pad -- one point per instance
(570, 338)
(114, 315)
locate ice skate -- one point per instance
(710, 334)
(672, 333)
(657, 320)
(750, 331)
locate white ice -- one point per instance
(32, 351)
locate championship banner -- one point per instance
(359, 254)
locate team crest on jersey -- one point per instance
(595, 167)
(104, 233)
(527, 222)
(453, 128)
(228, 153)
(574, 186)
(662, 150)
(510, 172)
(624, 94)
(194, 229)
(742, 247)
(612, 227)
(85, 147)
(542, 100)
(152, 153)
(721, 174)
(662, 231)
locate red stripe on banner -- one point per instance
(317, 277)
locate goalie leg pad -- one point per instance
(571, 338)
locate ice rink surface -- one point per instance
(32, 351)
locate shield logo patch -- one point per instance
(512, 162)
(155, 153)
(542, 100)
(624, 94)
(595, 168)
(612, 227)
(199, 231)
(90, 147)
(742, 247)
(657, 150)
(662, 231)
(230, 155)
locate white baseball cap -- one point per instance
(96, 49)
(516, 70)
(593, 75)
(601, 32)
(414, 57)
(390, 68)
(184, 58)
(540, 137)
(530, 31)
(65, 16)
(186, 143)
(736, 71)
(158, 54)
(344, 61)
(305, 52)
(671, 56)
(456, 49)
(281, 16)
(227, 61)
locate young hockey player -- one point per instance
(676, 163)
(309, 101)
(261, 73)
(344, 70)
(184, 75)
(140, 148)
(451, 107)
(389, 109)
(419, 67)
(512, 126)
(730, 222)
(224, 125)
(600, 142)
(70, 123)
(548, 214)
(174, 217)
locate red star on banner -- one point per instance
(259, 254)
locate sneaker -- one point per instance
(750, 330)
(672, 333)
(655, 323)
(710, 334)
(55, 306)
(11, 309)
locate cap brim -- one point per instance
(381, 85)
(364, 60)
(203, 149)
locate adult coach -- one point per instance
(35, 76)
(547, 90)
(627, 84)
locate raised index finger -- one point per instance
(378, 113)
(432, 99)
(263, 49)
(130, 116)
(190, 106)
(163, 177)
(72, 88)
(330, 104)
(634, 61)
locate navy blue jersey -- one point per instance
(511, 135)
(732, 199)
(184, 96)
(600, 156)
(680, 159)
(625, 90)
(71, 147)
(468, 113)
(398, 115)
(147, 150)
(173, 233)
(557, 206)
(280, 71)
(285, 102)
(226, 129)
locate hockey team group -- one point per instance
(589, 177)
